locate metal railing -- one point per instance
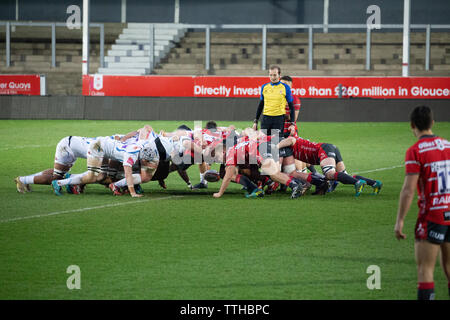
(208, 27)
(311, 27)
(53, 25)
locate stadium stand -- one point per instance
(335, 54)
(31, 53)
(130, 54)
(182, 52)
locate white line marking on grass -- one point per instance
(26, 147)
(380, 169)
(43, 215)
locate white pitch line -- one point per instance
(380, 169)
(26, 147)
(43, 215)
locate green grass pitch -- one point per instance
(181, 244)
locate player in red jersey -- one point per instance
(330, 160)
(287, 117)
(255, 149)
(210, 135)
(427, 165)
(284, 153)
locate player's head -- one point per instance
(148, 154)
(287, 80)
(421, 118)
(274, 74)
(211, 125)
(184, 127)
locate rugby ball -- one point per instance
(211, 176)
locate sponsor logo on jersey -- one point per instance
(424, 145)
(441, 200)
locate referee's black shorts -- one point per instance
(271, 123)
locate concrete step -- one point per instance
(142, 41)
(123, 71)
(131, 53)
(142, 36)
(157, 47)
(127, 65)
(126, 59)
(139, 25)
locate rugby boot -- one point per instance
(56, 188)
(377, 187)
(359, 186)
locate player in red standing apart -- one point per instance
(427, 165)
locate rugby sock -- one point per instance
(312, 169)
(315, 179)
(344, 178)
(370, 182)
(291, 183)
(30, 179)
(425, 291)
(202, 178)
(245, 181)
(73, 179)
(123, 183)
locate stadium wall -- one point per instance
(232, 11)
(221, 109)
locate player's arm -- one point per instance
(230, 173)
(405, 200)
(289, 141)
(296, 114)
(292, 116)
(258, 113)
(128, 136)
(129, 177)
(144, 132)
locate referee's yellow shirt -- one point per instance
(275, 97)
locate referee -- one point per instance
(274, 96)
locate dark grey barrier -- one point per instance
(189, 109)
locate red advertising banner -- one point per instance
(247, 87)
(23, 84)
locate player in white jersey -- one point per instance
(159, 149)
(68, 150)
(108, 147)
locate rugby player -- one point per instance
(254, 150)
(330, 160)
(106, 147)
(159, 150)
(68, 150)
(427, 166)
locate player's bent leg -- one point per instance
(269, 167)
(289, 165)
(45, 177)
(23, 182)
(426, 254)
(300, 166)
(59, 170)
(329, 169)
